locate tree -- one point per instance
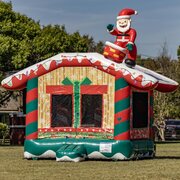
(170, 102)
(16, 34)
(178, 53)
(24, 42)
(166, 105)
(16, 38)
(4, 131)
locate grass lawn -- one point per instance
(166, 165)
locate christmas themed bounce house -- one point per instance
(88, 105)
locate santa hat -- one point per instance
(126, 13)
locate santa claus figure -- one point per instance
(125, 35)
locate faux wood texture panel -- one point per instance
(75, 74)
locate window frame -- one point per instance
(84, 89)
(51, 112)
(102, 116)
(140, 133)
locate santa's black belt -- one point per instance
(123, 35)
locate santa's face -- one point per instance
(123, 25)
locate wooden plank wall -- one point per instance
(75, 73)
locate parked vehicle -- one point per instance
(172, 129)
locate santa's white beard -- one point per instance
(123, 29)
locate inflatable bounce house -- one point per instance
(88, 105)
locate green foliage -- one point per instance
(170, 102)
(178, 52)
(16, 38)
(4, 131)
(55, 39)
(24, 42)
(166, 105)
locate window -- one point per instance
(140, 109)
(91, 110)
(61, 111)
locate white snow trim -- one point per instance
(135, 73)
(47, 154)
(68, 159)
(46, 64)
(92, 57)
(161, 78)
(98, 155)
(7, 81)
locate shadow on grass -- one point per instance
(168, 142)
(167, 157)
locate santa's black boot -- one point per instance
(130, 63)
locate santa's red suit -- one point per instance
(122, 39)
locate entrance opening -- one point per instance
(140, 109)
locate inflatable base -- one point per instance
(71, 152)
(76, 150)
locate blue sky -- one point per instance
(158, 21)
